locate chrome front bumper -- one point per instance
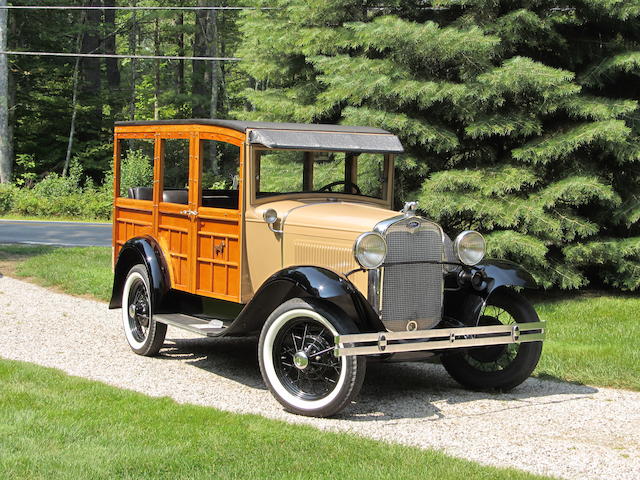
(437, 339)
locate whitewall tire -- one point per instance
(144, 335)
(297, 360)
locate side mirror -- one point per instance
(270, 216)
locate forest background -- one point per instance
(520, 118)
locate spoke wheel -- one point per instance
(138, 311)
(297, 361)
(497, 357)
(497, 367)
(304, 360)
(144, 335)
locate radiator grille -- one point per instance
(412, 292)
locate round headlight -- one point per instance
(370, 250)
(469, 247)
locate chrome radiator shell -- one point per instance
(409, 296)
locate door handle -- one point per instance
(191, 213)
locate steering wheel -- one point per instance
(329, 186)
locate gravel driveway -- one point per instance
(545, 427)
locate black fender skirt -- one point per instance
(465, 302)
(142, 250)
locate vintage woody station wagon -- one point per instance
(287, 231)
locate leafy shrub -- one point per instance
(57, 196)
(7, 195)
(135, 171)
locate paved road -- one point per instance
(68, 234)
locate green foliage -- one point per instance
(136, 170)
(518, 119)
(7, 196)
(25, 174)
(57, 196)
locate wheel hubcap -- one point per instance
(300, 360)
(132, 311)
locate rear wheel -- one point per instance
(498, 367)
(144, 334)
(296, 354)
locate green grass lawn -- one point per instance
(591, 338)
(56, 426)
(78, 270)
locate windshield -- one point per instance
(282, 172)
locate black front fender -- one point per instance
(146, 251)
(466, 302)
(305, 282)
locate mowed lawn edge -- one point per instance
(590, 336)
(56, 426)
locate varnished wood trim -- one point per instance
(219, 235)
(218, 262)
(130, 221)
(171, 228)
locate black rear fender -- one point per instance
(465, 304)
(317, 283)
(146, 251)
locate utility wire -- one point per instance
(108, 55)
(76, 7)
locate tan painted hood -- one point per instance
(340, 216)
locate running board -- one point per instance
(207, 328)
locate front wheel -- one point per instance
(497, 367)
(144, 334)
(296, 354)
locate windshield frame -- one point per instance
(255, 150)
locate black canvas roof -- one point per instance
(243, 126)
(305, 136)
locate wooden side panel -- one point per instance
(218, 260)
(132, 218)
(173, 234)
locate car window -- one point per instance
(175, 178)
(286, 171)
(136, 168)
(220, 174)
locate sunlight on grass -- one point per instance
(79, 271)
(592, 339)
(56, 426)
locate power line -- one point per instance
(77, 7)
(107, 55)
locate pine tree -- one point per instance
(519, 118)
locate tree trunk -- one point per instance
(156, 91)
(74, 116)
(198, 82)
(113, 70)
(212, 40)
(6, 154)
(91, 70)
(180, 64)
(133, 48)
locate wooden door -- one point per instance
(175, 207)
(218, 198)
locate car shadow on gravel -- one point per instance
(232, 358)
(413, 390)
(390, 390)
